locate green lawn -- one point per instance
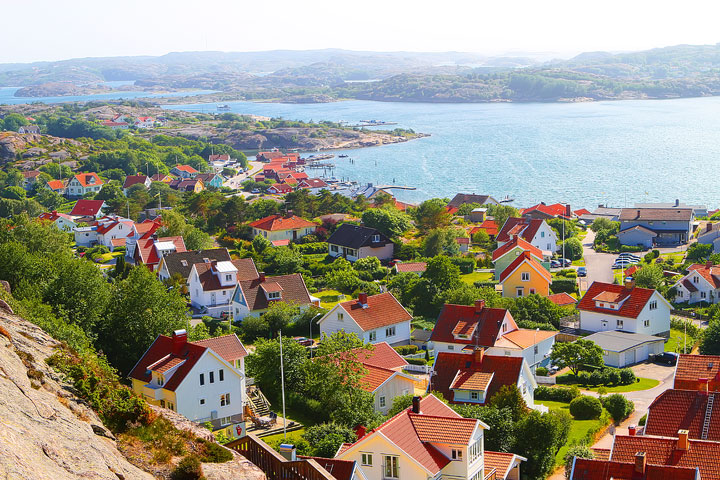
(471, 278)
(643, 384)
(579, 263)
(328, 298)
(677, 338)
(292, 437)
(578, 428)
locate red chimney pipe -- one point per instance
(478, 355)
(568, 212)
(360, 431)
(632, 430)
(179, 340)
(262, 276)
(362, 299)
(479, 305)
(416, 405)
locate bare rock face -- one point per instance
(47, 433)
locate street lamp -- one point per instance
(312, 320)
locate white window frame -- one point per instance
(457, 454)
(366, 459)
(382, 401)
(619, 323)
(519, 291)
(525, 276)
(372, 336)
(390, 332)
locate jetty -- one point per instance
(399, 187)
(319, 165)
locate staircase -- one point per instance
(258, 403)
(708, 415)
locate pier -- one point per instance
(399, 187)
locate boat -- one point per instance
(223, 107)
(343, 156)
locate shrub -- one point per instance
(642, 420)
(585, 408)
(557, 394)
(613, 377)
(406, 349)
(618, 406)
(541, 371)
(631, 248)
(466, 264)
(627, 376)
(480, 284)
(214, 453)
(560, 285)
(580, 451)
(597, 378)
(417, 361)
(312, 248)
(188, 469)
(584, 378)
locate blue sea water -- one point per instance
(7, 95)
(587, 154)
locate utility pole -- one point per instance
(282, 386)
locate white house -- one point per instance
(62, 221)
(279, 227)
(88, 209)
(463, 327)
(429, 440)
(374, 319)
(204, 381)
(211, 284)
(104, 230)
(181, 263)
(534, 231)
(131, 180)
(253, 296)
(83, 183)
(354, 242)
(711, 236)
(701, 284)
(626, 308)
(145, 122)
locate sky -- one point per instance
(57, 30)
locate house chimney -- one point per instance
(479, 305)
(568, 212)
(637, 215)
(262, 276)
(683, 443)
(640, 462)
(677, 202)
(708, 264)
(416, 405)
(54, 212)
(360, 431)
(632, 430)
(362, 299)
(179, 340)
(629, 283)
(478, 355)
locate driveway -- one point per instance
(597, 264)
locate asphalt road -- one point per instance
(597, 264)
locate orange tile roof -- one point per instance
(56, 184)
(374, 377)
(166, 364)
(525, 257)
(382, 355)
(691, 368)
(586, 469)
(710, 273)
(525, 338)
(275, 223)
(465, 327)
(664, 451)
(500, 461)
(186, 168)
(517, 243)
(229, 347)
(606, 296)
(468, 380)
(675, 410)
(443, 429)
(554, 210)
(382, 310)
(525, 227)
(88, 179)
(562, 299)
(411, 267)
(634, 299)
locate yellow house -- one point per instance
(525, 276)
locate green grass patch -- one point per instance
(579, 263)
(676, 341)
(471, 278)
(641, 384)
(292, 437)
(329, 298)
(579, 429)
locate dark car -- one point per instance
(582, 272)
(666, 358)
(554, 264)
(304, 341)
(565, 262)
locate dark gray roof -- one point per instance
(182, 262)
(462, 198)
(656, 214)
(355, 236)
(614, 341)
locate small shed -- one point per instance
(621, 349)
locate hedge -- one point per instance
(406, 349)
(557, 394)
(601, 377)
(416, 361)
(560, 285)
(541, 372)
(312, 248)
(489, 284)
(466, 264)
(585, 407)
(631, 248)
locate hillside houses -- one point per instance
(354, 242)
(84, 183)
(648, 227)
(701, 284)
(534, 231)
(254, 296)
(211, 284)
(282, 227)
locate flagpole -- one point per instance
(282, 386)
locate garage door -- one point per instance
(630, 357)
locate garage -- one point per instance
(622, 349)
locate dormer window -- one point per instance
(457, 454)
(273, 295)
(376, 238)
(696, 279)
(228, 277)
(183, 263)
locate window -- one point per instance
(367, 459)
(160, 380)
(274, 296)
(221, 374)
(225, 420)
(228, 277)
(202, 401)
(456, 454)
(341, 316)
(212, 377)
(476, 451)
(606, 353)
(224, 399)
(620, 324)
(373, 336)
(171, 406)
(519, 291)
(474, 395)
(202, 379)
(653, 305)
(703, 294)
(162, 403)
(451, 347)
(390, 332)
(680, 293)
(184, 263)
(391, 468)
(504, 327)
(542, 234)
(532, 290)
(646, 323)
(224, 293)
(696, 279)
(333, 248)
(375, 238)
(382, 402)
(525, 276)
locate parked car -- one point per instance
(304, 341)
(582, 272)
(622, 263)
(564, 262)
(255, 190)
(554, 264)
(666, 358)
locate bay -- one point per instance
(7, 95)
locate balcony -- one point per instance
(153, 391)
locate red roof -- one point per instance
(312, 183)
(382, 355)
(524, 227)
(229, 347)
(586, 469)
(631, 270)
(448, 365)
(131, 180)
(691, 369)
(489, 226)
(414, 433)
(339, 469)
(634, 299)
(554, 210)
(485, 325)
(675, 410)
(146, 253)
(562, 299)
(281, 188)
(525, 257)
(382, 310)
(710, 273)
(277, 222)
(500, 461)
(88, 179)
(411, 267)
(54, 215)
(87, 208)
(664, 451)
(31, 174)
(186, 168)
(56, 184)
(280, 243)
(581, 212)
(517, 243)
(219, 156)
(160, 356)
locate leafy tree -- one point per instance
(618, 407)
(509, 397)
(49, 199)
(579, 451)
(345, 281)
(649, 276)
(442, 273)
(326, 438)
(264, 365)
(577, 354)
(111, 193)
(441, 241)
(341, 341)
(13, 121)
(403, 402)
(431, 214)
(279, 315)
(538, 437)
(699, 251)
(501, 213)
(573, 248)
(501, 435)
(571, 228)
(482, 239)
(462, 294)
(13, 193)
(710, 344)
(538, 309)
(603, 223)
(260, 244)
(391, 222)
(402, 286)
(198, 332)
(585, 407)
(253, 328)
(284, 260)
(196, 239)
(141, 308)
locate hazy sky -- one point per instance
(59, 29)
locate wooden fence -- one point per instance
(274, 465)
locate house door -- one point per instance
(294, 235)
(212, 299)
